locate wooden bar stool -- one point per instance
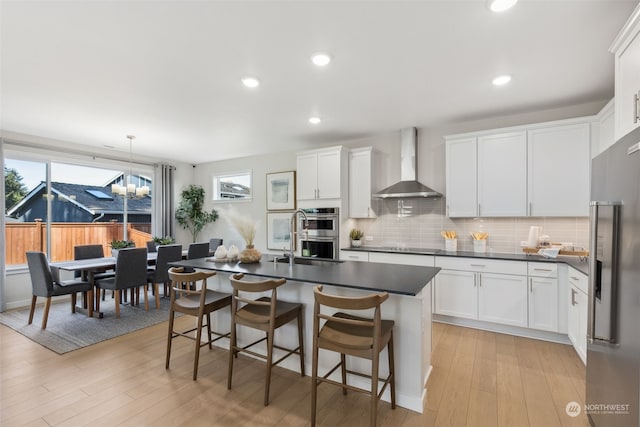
(355, 336)
(265, 314)
(189, 298)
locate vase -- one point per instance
(233, 252)
(250, 255)
(356, 243)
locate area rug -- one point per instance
(67, 331)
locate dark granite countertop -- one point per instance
(395, 279)
(573, 261)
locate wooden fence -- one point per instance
(32, 236)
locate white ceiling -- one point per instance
(169, 71)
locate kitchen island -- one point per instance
(409, 305)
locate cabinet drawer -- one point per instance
(543, 269)
(483, 265)
(407, 259)
(354, 256)
(579, 280)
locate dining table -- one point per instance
(91, 266)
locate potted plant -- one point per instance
(191, 214)
(356, 236)
(116, 245)
(166, 240)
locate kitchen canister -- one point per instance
(480, 246)
(451, 245)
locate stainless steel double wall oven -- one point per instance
(323, 235)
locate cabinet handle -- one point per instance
(531, 285)
(475, 280)
(480, 280)
(542, 269)
(479, 214)
(635, 108)
(477, 265)
(574, 278)
(529, 213)
(573, 296)
(446, 211)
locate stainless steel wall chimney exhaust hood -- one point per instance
(408, 187)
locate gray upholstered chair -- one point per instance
(166, 254)
(198, 250)
(46, 283)
(265, 314)
(151, 246)
(131, 272)
(187, 297)
(214, 243)
(88, 252)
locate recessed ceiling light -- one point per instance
(250, 82)
(314, 120)
(501, 80)
(321, 59)
(500, 5)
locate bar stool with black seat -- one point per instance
(355, 336)
(188, 298)
(266, 314)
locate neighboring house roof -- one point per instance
(94, 199)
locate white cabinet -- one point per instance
(502, 298)
(456, 294)
(502, 174)
(481, 289)
(606, 135)
(407, 259)
(354, 256)
(461, 178)
(577, 312)
(543, 296)
(321, 174)
(532, 170)
(626, 50)
(360, 183)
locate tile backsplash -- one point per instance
(416, 223)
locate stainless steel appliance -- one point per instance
(321, 239)
(613, 330)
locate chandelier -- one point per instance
(130, 190)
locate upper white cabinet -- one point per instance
(360, 160)
(502, 174)
(626, 50)
(558, 167)
(321, 173)
(533, 170)
(461, 171)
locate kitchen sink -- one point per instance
(307, 261)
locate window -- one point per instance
(80, 203)
(232, 186)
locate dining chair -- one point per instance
(45, 282)
(266, 314)
(198, 250)
(88, 252)
(348, 334)
(166, 254)
(151, 246)
(131, 272)
(187, 298)
(214, 243)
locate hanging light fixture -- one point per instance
(130, 190)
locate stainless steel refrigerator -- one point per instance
(613, 330)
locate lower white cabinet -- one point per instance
(354, 256)
(502, 298)
(456, 294)
(577, 312)
(543, 303)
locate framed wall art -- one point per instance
(278, 237)
(281, 191)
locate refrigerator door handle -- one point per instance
(595, 279)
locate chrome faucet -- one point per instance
(293, 233)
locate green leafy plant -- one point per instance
(122, 244)
(166, 240)
(191, 214)
(356, 234)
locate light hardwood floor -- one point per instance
(479, 379)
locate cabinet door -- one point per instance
(558, 165)
(461, 178)
(307, 176)
(573, 318)
(581, 339)
(328, 174)
(456, 294)
(627, 86)
(360, 183)
(502, 174)
(543, 304)
(502, 298)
